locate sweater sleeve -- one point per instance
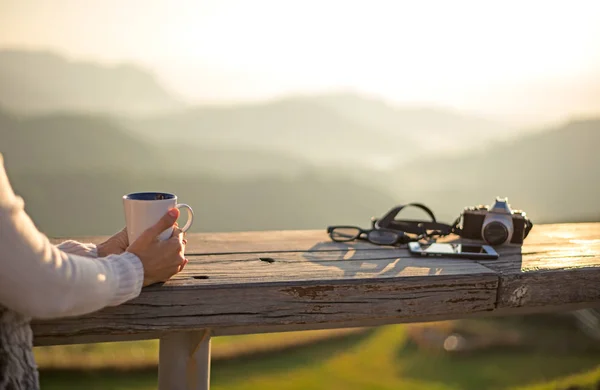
(78, 248)
(39, 280)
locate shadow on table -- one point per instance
(375, 260)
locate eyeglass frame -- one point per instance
(401, 238)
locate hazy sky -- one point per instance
(520, 60)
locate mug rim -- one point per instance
(132, 195)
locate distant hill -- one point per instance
(34, 81)
(432, 129)
(329, 129)
(77, 143)
(82, 204)
(80, 165)
(295, 162)
(344, 129)
(552, 175)
(69, 143)
(301, 127)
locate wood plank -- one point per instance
(290, 303)
(276, 281)
(563, 233)
(270, 267)
(559, 265)
(241, 329)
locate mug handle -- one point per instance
(190, 215)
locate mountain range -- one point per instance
(43, 81)
(335, 128)
(330, 129)
(290, 163)
(83, 143)
(81, 166)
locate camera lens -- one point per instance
(495, 233)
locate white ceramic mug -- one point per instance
(144, 209)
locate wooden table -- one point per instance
(254, 282)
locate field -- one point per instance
(513, 353)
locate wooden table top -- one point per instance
(268, 281)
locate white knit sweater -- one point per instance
(41, 280)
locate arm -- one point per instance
(39, 280)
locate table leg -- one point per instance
(184, 361)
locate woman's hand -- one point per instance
(115, 245)
(161, 259)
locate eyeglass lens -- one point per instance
(345, 234)
(382, 237)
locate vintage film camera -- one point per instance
(495, 225)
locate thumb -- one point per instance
(165, 222)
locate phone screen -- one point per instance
(453, 250)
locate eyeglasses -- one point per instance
(375, 236)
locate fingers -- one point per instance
(177, 232)
(178, 268)
(176, 245)
(179, 235)
(185, 261)
(164, 223)
(170, 271)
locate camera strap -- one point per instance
(420, 229)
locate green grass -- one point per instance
(380, 359)
(586, 381)
(142, 354)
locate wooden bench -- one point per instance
(255, 282)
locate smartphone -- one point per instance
(465, 251)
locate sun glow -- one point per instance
(467, 54)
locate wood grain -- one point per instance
(232, 270)
(276, 281)
(560, 266)
(288, 303)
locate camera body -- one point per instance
(496, 225)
